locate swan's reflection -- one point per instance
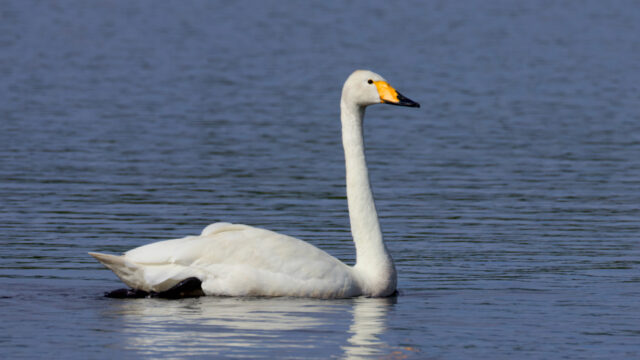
(259, 327)
(369, 322)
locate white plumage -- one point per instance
(241, 260)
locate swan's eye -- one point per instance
(370, 81)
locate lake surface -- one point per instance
(510, 200)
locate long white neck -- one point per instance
(373, 262)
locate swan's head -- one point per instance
(365, 87)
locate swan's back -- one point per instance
(237, 260)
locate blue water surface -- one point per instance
(509, 200)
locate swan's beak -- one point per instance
(389, 95)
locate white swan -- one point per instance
(240, 260)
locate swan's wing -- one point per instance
(183, 251)
(233, 259)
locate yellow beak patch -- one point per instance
(386, 92)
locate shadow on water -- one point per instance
(254, 327)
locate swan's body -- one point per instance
(240, 260)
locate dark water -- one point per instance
(510, 200)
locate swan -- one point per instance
(240, 260)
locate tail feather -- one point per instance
(109, 260)
(130, 273)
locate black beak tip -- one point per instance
(405, 101)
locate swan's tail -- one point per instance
(129, 272)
